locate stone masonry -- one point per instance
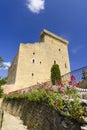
(33, 62)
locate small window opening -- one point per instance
(32, 74)
(54, 61)
(59, 49)
(40, 62)
(33, 60)
(33, 53)
(65, 65)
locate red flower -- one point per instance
(47, 91)
(59, 89)
(55, 103)
(45, 84)
(70, 83)
(73, 78)
(78, 84)
(58, 81)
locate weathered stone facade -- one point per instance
(39, 116)
(33, 62)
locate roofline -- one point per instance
(54, 36)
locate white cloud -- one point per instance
(7, 65)
(36, 6)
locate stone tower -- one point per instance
(33, 62)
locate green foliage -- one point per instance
(76, 110)
(3, 81)
(37, 96)
(55, 73)
(1, 92)
(66, 106)
(56, 101)
(40, 96)
(71, 92)
(1, 62)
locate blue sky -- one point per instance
(23, 20)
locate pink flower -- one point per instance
(52, 90)
(73, 78)
(50, 86)
(60, 89)
(62, 85)
(44, 84)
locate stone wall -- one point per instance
(13, 70)
(33, 62)
(39, 116)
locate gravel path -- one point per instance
(12, 123)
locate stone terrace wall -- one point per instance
(39, 116)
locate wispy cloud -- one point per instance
(36, 6)
(7, 65)
(77, 49)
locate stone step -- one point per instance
(84, 120)
(84, 127)
(84, 101)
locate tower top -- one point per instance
(46, 32)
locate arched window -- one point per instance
(33, 60)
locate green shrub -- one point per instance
(1, 62)
(3, 81)
(55, 74)
(76, 110)
(71, 92)
(1, 92)
(66, 106)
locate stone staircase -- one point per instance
(81, 90)
(83, 93)
(84, 127)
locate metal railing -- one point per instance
(77, 76)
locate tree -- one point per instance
(1, 92)
(1, 62)
(3, 81)
(55, 74)
(84, 73)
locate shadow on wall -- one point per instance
(39, 116)
(1, 117)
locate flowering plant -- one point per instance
(59, 99)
